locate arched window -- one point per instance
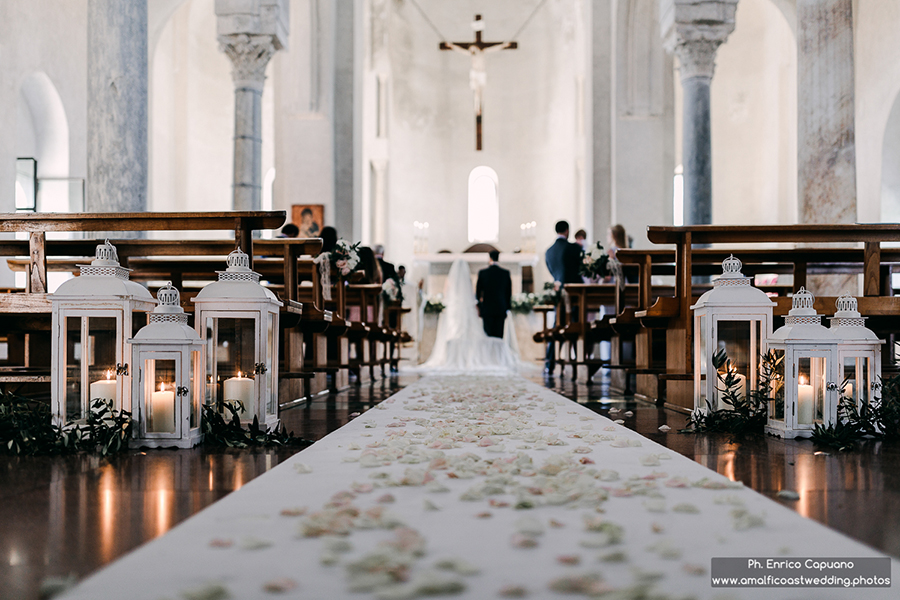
(484, 205)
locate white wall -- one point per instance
(754, 120)
(877, 62)
(192, 114)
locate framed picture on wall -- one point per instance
(310, 218)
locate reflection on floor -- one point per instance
(72, 515)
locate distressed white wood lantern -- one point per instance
(804, 392)
(735, 317)
(93, 315)
(167, 375)
(859, 352)
(238, 320)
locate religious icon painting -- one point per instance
(310, 218)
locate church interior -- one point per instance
(714, 382)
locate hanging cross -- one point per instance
(477, 73)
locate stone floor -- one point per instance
(72, 515)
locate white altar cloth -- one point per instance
(245, 541)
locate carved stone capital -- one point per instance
(697, 57)
(694, 29)
(249, 56)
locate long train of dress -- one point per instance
(460, 343)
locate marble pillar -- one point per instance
(117, 106)
(249, 56)
(825, 138)
(347, 149)
(693, 30)
(249, 33)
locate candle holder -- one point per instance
(859, 353)
(804, 392)
(92, 316)
(735, 317)
(237, 319)
(167, 389)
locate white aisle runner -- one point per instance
(481, 485)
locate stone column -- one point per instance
(825, 138)
(117, 106)
(249, 32)
(694, 30)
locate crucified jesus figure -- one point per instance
(477, 72)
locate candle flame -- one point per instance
(239, 374)
(161, 387)
(802, 380)
(109, 373)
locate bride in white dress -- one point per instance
(460, 345)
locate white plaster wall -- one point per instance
(192, 115)
(49, 37)
(877, 64)
(754, 120)
(529, 125)
(304, 132)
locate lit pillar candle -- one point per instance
(805, 402)
(240, 388)
(104, 389)
(162, 411)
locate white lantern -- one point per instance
(735, 317)
(93, 315)
(859, 352)
(804, 393)
(168, 375)
(238, 320)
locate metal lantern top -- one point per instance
(168, 321)
(847, 324)
(237, 281)
(733, 289)
(104, 277)
(802, 323)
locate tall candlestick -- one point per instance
(240, 388)
(162, 411)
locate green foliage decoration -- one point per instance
(229, 433)
(744, 413)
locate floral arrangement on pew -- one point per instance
(434, 305)
(551, 294)
(523, 303)
(391, 290)
(595, 263)
(344, 257)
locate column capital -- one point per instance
(249, 56)
(693, 30)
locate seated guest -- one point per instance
(329, 238)
(289, 231)
(387, 269)
(368, 264)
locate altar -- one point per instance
(433, 268)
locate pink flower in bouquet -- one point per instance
(345, 271)
(341, 264)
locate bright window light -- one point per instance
(678, 197)
(484, 205)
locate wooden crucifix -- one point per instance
(478, 72)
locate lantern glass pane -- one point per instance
(272, 396)
(776, 406)
(196, 391)
(810, 389)
(233, 357)
(74, 407)
(704, 360)
(160, 379)
(101, 349)
(734, 338)
(856, 379)
(138, 321)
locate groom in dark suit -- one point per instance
(494, 294)
(563, 260)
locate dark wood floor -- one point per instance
(72, 515)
